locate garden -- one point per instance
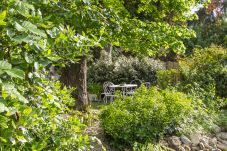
(113, 75)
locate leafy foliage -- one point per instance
(146, 116)
(35, 110)
(124, 69)
(149, 26)
(208, 35)
(94, 88)
(167, 78)
(205, 73)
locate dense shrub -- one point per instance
(205, 73)
(40, 119)
(167, 78)
(124, 69)
(94, 88)
(146, 116)
(202, 75)
(207, 35)
(35, 109)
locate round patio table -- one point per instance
(126, 88)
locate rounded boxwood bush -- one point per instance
(145, 116)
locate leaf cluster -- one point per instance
(146, 116)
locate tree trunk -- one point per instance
(75, 76)
(81, 83)
(109, 49)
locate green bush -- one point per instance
(204, 73)
(146, 116)
(207, 35)
(45, 122)
(124, 69)
(148, 147)
(167, 78)
(94, 88)
(35, 110)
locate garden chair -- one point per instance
(131, 90)
(147, 85)
(108, 92)
(138, 82)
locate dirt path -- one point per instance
(96, 131)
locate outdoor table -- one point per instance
(124, 87)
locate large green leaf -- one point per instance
(3, 108)
(22, 38)
(3, 121)
(16, 73)
(2, 17)
(10, 90)
(24, 8)
(54, 32)
(19, 27)
(4, 65)
(33, 28)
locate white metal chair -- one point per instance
(138, 82)
(128, 91)
(131, 90)
(108, 92)
(147, 85)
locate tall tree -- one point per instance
(141, 27)
(70, 29)
(211, 26)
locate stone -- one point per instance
(221, 146)
(195, 149)
(167, 148)
(163, 142)
(209, 147)
(201, 145)
(217, 129)
(195, 138)
(185, 140)
(194, 145)
(222, 141)
(222, 135)
(215, 149)
(213, 142)
(174, 142)
(204, 140)
(180, 148)
(186, 147)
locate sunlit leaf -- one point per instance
(19, 27)
(16, 73)
(33, 28)
(9, 89)
(2, 17)
(3, 121)
(3, 108)
(4, 65)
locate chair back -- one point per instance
(108, 89)
(138, 82)
(147, 85)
